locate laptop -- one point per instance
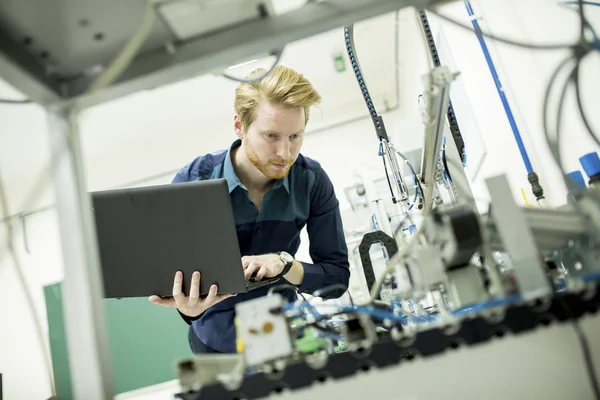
(146, 234)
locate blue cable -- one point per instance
(503, 98)
(470, 309)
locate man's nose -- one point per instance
(284, 150)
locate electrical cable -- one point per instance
(412, 170)
(582, 113)
(444, 163)
(450, 114)
(114, 70)
(377, 119)
(278, 54)
(554, 145)
(586, 3)
(532, 177)
(586, 23)
(512, 42)
(387, 175)
(582, 20)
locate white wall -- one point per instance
(156, 132)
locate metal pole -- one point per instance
(85, 319)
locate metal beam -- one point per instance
(509, 218)
(85, 319)
(245, 41)
(21, 70)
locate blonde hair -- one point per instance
(282, 86)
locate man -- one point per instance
(275, 191)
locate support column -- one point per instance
(85, 317)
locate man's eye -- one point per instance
(294, 136)
(271, 136)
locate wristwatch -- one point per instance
(288, 261)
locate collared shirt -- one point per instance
(305, 197)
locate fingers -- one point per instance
(195, 287)
(261, 272)
(178, 295)
(252, 267)
(162, 301)
(212, 294)
(246, 261)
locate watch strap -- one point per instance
(286, 267)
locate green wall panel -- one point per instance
(145, 342)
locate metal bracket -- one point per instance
(437, 90)
(510, 218)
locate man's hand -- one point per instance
(191, 305)
(267, 265)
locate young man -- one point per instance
(275, 191)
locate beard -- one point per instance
(267, 167)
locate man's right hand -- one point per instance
(191, 305)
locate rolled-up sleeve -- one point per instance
(328, 249)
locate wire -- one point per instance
(583, 21)
(387, 175)
(499, 88)
(412, 170)
(278, 54)
(512, 42)
(554, 144)
(580, 105)
(16, 102)
(587, 3)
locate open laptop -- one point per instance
(146, 234)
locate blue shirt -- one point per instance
(304, 197)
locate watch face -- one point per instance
(286, 257)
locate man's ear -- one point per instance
(237, 126)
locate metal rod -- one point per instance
(85, 320)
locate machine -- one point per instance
(448, 277)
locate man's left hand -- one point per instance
(267, 265)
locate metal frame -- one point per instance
(178, 61)
(85, 318)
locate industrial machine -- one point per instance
(448, 276)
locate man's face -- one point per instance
(273, 141)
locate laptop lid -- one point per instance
(146, 234)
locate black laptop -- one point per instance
(146, 234)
